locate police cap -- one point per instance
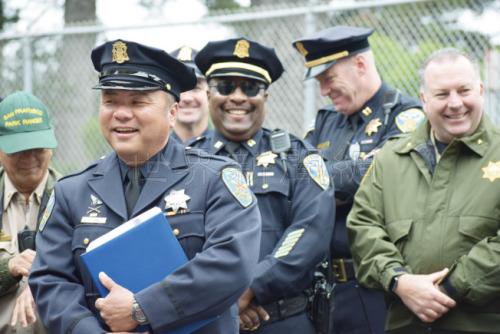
(322, 49)
(133, 66)
(239, 57)
(186, 54)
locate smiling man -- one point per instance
(192, 118)
(424, 227)
(218, 226)
(364, 112)
(286, 174)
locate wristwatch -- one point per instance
(394, 284)
(137, 314)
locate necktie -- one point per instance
(338, 150)
(231, 148)
(133, 189)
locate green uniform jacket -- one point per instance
(415, 215)
(6, 280)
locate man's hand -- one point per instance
(24, 311)
(250, 311)
(21, 263)
(421, 294)
(116, 308)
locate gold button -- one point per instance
(265, 186)
(362, 155)
(176, 231)
(86, 241)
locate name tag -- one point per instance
(93, 220)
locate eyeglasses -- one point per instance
(249, 88)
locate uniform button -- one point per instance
(265, 186)
(86, 241)
(176, 231)
(362, 155)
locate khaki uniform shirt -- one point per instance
(17, 215)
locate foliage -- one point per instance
(7, 17)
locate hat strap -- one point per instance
(244, 66)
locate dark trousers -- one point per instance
(357, 310)
(427, 330)
(297, 324)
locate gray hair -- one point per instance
(443, 55)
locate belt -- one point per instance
(285, 308)
(343, 270)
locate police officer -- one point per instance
(192, 120)
(365, 111)
(209, 207)
(287, 176)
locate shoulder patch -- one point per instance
(317, 170)
(408, 120)
(235, 182)
(310, 128)
(48, 211)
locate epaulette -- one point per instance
(329, 107)
(81, 171)
(194, 140)
(198, 152)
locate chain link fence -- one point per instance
(57, 68)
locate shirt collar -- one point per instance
(219, 141)
(11, 190)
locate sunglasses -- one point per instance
(249, 88)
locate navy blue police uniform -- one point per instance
(209, 206)
(293, 191)
(357, 310)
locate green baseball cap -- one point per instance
(24, 124)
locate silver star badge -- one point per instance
(176, 200)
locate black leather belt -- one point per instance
(285, 308)
(343, 269)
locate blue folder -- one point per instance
(137, 254)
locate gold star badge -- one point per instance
(266, 158)
(492, 172)
(176, 200)
(372, 126)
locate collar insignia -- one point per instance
(367, 111)
(176, 200)
(266, 158)
(372, 126)
(492, 172)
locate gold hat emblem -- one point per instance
(301, 49)
(185, 54)
(120, 52)
(241, 49)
